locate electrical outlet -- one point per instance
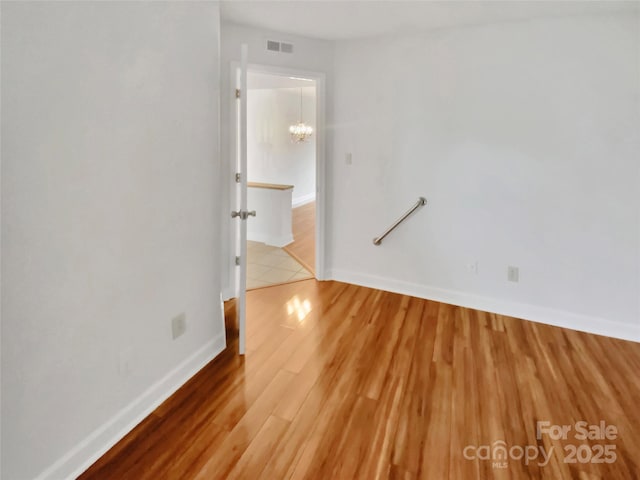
(178, 325)
(513, 273)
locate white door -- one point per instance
(240, 213)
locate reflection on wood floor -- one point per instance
(343, 382)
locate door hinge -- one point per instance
(237, 260)
(238, 177)
(237, 93)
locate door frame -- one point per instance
(320, 132)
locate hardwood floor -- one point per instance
(343, 382)
(303, 247)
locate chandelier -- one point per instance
(300, 132)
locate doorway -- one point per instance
(240, 212)
(281, 178)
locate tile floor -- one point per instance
(268, 265)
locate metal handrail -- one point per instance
(421, 202)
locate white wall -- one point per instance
(524, 137)
(309, 55)
(271, 155)
(110, 212)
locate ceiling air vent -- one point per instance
(274, 46)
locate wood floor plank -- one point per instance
(298, 391)
(295, 440)
(398, 473)
(464, 413)
(362, 384)
(377, 461)
(437, 466)
(252, 461)
(238, 401)
(413, 419)
(359, 430)
(337, 385)
(386, 345)
(239, 438)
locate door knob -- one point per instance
(243, 214)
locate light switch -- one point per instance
(348, 159)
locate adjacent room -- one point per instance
(320, 240)
(281, 173)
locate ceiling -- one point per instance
(348, 19)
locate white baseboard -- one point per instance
(549, 316)
(303, 200)
(83, 455)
